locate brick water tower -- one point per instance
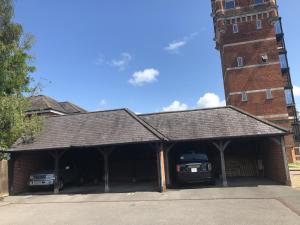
(249, 36)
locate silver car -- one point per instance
(47, 178)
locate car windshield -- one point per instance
(193, 157)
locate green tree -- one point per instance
(15, 80)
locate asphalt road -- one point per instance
(273, 205)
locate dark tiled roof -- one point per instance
(124, 127)
(70, 108)
(43, 103)
(90, 129)
(210, 123)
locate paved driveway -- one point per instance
(235, 205)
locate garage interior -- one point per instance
(130, 168)
(248, 161)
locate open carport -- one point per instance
(116, 148)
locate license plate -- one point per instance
(194, 170)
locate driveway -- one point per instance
(269, 204)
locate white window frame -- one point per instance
(258, 24)
(244, 96)
(227, 1)
(269, 94)
(235, 28)
(240, 61)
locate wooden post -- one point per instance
(221, 146)
(106, 172)
(56, 156)
(167, 164)
(286, 166)
(56, 172)
(105, 153)
(161, 169)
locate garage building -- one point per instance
(117, 148)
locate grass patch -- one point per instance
(294, 166)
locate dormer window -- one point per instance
(229, 4)
(264, 58)
(258, 24)
(257, 2)
(235, 28)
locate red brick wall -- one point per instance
(273, 161)
(256, 77)
(24, 165)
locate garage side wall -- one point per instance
(273, 161)
(24, 164)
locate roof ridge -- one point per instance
(146, 125)
(78, 114)
(179, 111)
(257, 118)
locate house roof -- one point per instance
(124, 127)
(224, 122)
(44, 103)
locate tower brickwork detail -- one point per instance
(250, 39)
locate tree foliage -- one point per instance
(15, 70)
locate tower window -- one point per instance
(278, 29)
(257, 2)
(258, 24)
(264, 58)
(229, 4)
(235, 28)
(289, 96)
(283, 61)
(244, 97)
(240, 61)
(269, 94)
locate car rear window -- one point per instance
(192, 157)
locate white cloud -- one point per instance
(176, 45)
(175, 106)
(103, 102)
(122, 62)
(140, 78)
(296, 91)
(210, 100)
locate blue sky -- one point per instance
(144, 55)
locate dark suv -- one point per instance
(193, 167)
(47, 178)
